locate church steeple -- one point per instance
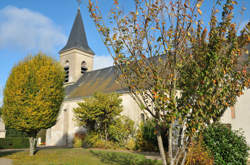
(77, 38)
(76, 57)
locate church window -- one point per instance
(84, 67)
(66, 69)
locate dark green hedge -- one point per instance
(14, 142)
(226, 146)
(10, 132)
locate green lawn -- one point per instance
(77, 157)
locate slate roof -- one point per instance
(101, 80)
(77, 38)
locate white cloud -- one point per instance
(102, 62)
(28, 30)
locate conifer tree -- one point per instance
(33, 95)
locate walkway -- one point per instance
(4, 161)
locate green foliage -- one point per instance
(93, 139)
(146, 139)
(10, 132)
(97, 113)
(120, 135)
(123, 158)
(106, 127)
(121, 130)
(225, 145)
(78, 140)
(33, 94)
(14, 142)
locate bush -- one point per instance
(146, 139)
(225, 145)
(93, 139)
(121, 130)
(120, 135)
(14, 142)
(78, 139)
(10, 132)
(197, 155)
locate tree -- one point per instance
(33, 95)
(167, 58)
(97, 113)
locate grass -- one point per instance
(79, 156)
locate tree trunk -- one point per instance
(170, 146)
(32, 145)
(184, 158)
(161, 147)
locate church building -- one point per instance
(81, 81)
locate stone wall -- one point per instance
(2, 129)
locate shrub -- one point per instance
(121, 130)
(93, 139)
(10, 132)
(78, 139)
(120, 133)
(146, 139)
(131, 144)
(197, 155)
(14, 142)
(225, 145)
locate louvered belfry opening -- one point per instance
(84, 67)
(66, 69)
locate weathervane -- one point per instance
(79, 3)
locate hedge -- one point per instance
(14, 142)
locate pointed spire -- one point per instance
(77, 38)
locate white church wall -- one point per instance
(131, 109)
(242, 115)
(2, 129)
(59, 135)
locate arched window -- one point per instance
(66, 69)
(83, 67)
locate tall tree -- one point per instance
(33, 95)
(167, 58)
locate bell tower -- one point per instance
(76, 57)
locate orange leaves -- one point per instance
(234, 3)
(198, 5)
(116, 2)
(155, 95)
(230, 7)
(199, 11)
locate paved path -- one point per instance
(4, 161)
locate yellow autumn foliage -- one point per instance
(33, 94)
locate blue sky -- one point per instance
(30, 26)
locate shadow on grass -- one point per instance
(6, 153)
(121, 158)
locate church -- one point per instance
(82, 81)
